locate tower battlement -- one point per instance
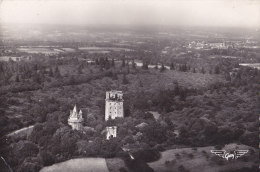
(114, 95)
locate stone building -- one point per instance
(111, 132)
(75, 120)
(114, 105)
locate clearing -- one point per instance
(202, 160)
(79, 165)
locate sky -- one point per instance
(218, 13)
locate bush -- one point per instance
(194, 148)
(29, 167)
(167, 162)
(47, 158)
(181, 168)
(147, 155)
(177, 155)
(190, 155)
(218, 147)
(137, 165)
(122, 169)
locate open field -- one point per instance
(79, 165)
(252, 65)
(39, 50)
(201, 159)
(104, 48)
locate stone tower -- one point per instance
(114, 105)
(111, 132)
(75, 120)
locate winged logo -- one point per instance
(240, 153)
(224, 154)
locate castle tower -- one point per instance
(111, 132)
(75, 120)
(114, 105)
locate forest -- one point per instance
(198, 106)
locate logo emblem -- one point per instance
(227, 156)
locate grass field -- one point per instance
(79, 165)
(201, 160)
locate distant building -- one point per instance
(218, 45)
(111, 132)
(114, 105)
(75, 120)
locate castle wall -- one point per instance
(111, 132)
(113, 109)
(76, 125)
(114, 105)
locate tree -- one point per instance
(37, 78)
(125, 81)
(176, 89)
(97, 62)
(35, 67)
(217, 70)
(107, 65)
(255, 72)
(155, 132)
(29, 166)
(114, 76)
(156, 66)
(181, 168)
(79, 69)
(72, 80)
(47, 158)
(145, 65)
(133, 64)
(57, 72)
(128, 69)
(162, 68)
(17, 78)
(183, 94)
(183, 68)
(113, 62)
(123, 63)
(202, 70)
(172, 66)
(140, 83)
(51, 72)
(25, 149)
